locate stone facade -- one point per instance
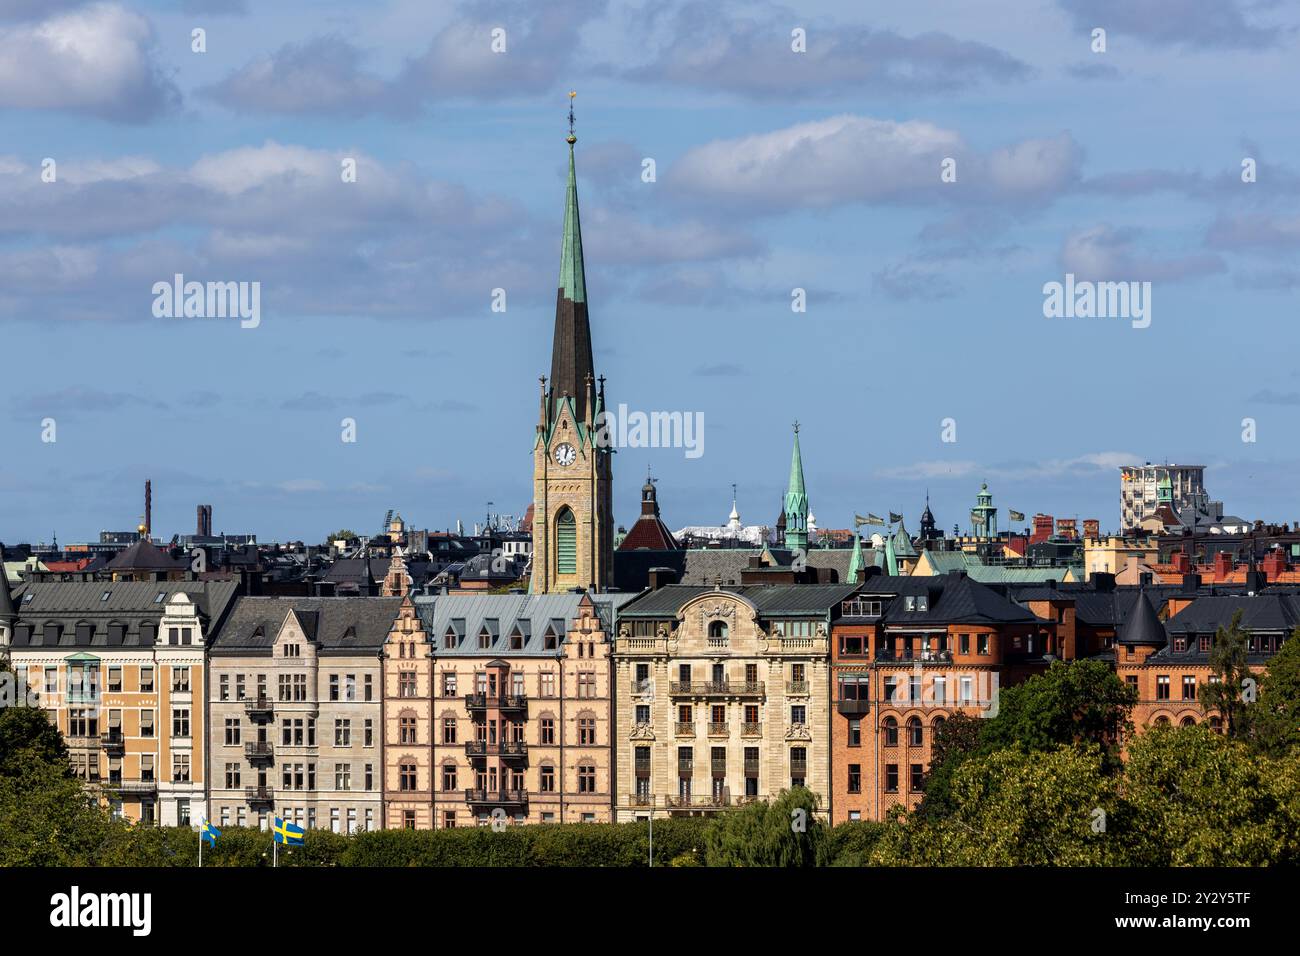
(722, 697)
(498, 708)
(296, 713)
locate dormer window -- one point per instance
(292, 650)
(484, 638)
(449, 639)
(552, 639)
(516, 640)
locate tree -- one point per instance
(785, 832)
(1081, 702)
(344, 535)
(1274, 719)
(1230, 673)
(1194, 798)
(954, 740)
(27, 737)
(1013, 808)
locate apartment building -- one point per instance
(119, 668)
(722, 696)
(498, 708)
(295, 707)
(907, 654)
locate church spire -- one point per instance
(796, 501)
(571, 363)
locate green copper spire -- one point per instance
(891, 558)
(855, 560)
(796, 502)
(573, 281)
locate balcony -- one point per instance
(496, 798)
(708, 802)
(481, 748)
(498, 702)
(259, 750)
(749, 729)
(799, 768)
(644, 686)
(717, 688)
(259, 708)
(259, 795)
(751, 768)
(796, 688)
(112, 740)
(718, 766)
(641, 765)
(640, 800)
(132, 787)
(853, 708)
(717, 730)
(684, 728)
(83, 741)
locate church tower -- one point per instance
(796, 502)
(573, 520)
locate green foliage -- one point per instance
(26, 737)
(1082, 702)
(786, 832)
(851, 843)
(1228, 665)
(1012, 808)
(1274, 718)
(48, 819)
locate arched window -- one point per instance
(718, 629)
(891, 732)
(914, 731)
(1162, 721)
(1189, 721)
(1216, 724)
(566, 543)
(937, 725)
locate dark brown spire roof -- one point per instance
(143, 556)
(1142, 626)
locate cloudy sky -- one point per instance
(775, 170)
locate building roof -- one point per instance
(337, 625)
(84, 610)
(1264, 612)
(955, 598)
(507, 619)
(788, 600)
(1142, 626)
(144, 556)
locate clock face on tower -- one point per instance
(565, 454)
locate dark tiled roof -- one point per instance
(770, 600)
(100, 604)
(1266, 612)
(506, 618)
(1142, 625)
(956, 599)
(338, 625)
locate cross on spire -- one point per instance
(571, 138)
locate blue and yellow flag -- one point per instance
(209, 833)
(288, 833)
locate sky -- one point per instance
(775, 169)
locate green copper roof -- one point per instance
(796, 497)
(572, 278)
(855, 560)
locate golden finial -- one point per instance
(571, 139)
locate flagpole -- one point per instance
(201, 846)
(275, 846)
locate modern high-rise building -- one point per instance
(1144, 488)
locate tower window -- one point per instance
(566, 543)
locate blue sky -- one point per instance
(775, 171)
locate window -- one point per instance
(181, 768)
(1189, 687)
(917, 782)
(547, 684)
(370, 784)
(448, 776)
(406, 684)
(855, 732)
(566, 543)
(982, 644)
(406, 775)
(180, 680)
(891, 778)
(343, 776)
(546, 731)
(855, 778)
(448, 730)
(798, 714)
(1162, 687)
(914, 733)
(448, 684)
(891, 732)
(370, 687)
(146, 723)
(232, 732)
(334, 686)
(717, 630)
(587, 684)
(115, 680)
(368, 733)
(342, 733)
(586, 778)
(548, 779)
(963, 643)
(146, 680)
(586, 731)
(232, 776)
(181, 722)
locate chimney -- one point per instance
(148, 509)
(1222, 565)
(1256, 581)
(1274, 564)
(1103, 582)
(1191, 583)
(660, 577)
(1180, 562)
(1144, 579)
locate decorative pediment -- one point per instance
(642, 732)
(798, 732)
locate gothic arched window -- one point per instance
(566, 543)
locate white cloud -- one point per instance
(96, 60)
(1104, 252)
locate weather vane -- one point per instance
(571, 138)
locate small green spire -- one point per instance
(855, 560)
(573, 280)
(796, 501)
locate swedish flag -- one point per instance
(209, 833)
(287, 833)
